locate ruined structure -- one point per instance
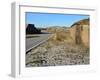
(80, 32)
(31, 29)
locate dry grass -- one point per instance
(58, 50)
(61, 35)
(61, 48)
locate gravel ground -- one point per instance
(50, 54)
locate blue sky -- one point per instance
(47, 19)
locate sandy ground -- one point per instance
(52, 54)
